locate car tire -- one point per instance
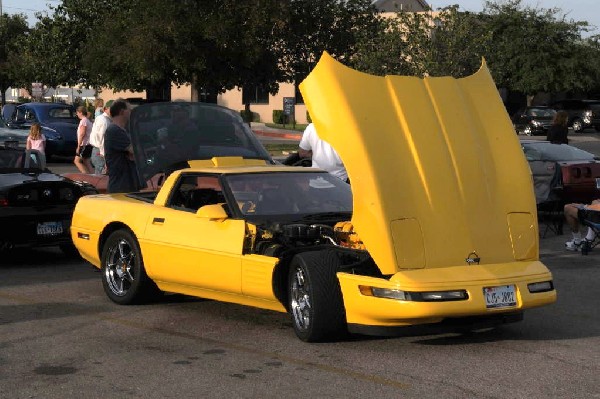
(315, 297)
(577, 125)
(124, 278)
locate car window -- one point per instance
(555, 152)
(193, 191)
(30, 116)
(61, 113)
(541, 112)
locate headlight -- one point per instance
(536, 123)
(426, 296)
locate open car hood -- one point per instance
(438, 176)
(165, 136)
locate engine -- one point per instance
(274, 239)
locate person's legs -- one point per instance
(97, 161)
(570, 212)
(78, 161)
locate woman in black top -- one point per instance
(557, 134)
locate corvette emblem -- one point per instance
(473, 258)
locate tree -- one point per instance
(315, 26)
(12, 27)
(534, 50)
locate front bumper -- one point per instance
(365, 310)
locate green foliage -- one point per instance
(146, 44)
(12, 28)
(249, 116)
(279, 117)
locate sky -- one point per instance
(579, 10)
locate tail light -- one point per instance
(3, 200)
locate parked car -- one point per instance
(12, 137)
(35, 205)
(577, 180)
(59, 124)
(426, 233)
(582, 113)
(534, 120)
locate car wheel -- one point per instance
(123, 275)
(527, 131)
(315, 298)
(577, 125)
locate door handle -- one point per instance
(158, 221)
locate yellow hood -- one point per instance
(437, 172)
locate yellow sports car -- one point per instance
(439, 223)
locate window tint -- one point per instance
(193, 191)
(252, 94)
(555, 152)
(61, 113)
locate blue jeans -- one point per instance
(98, 161)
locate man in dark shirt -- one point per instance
(122, 173)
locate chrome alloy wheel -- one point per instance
(301, 302)
(120, 268)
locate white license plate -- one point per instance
(500, 297)
(49, 228)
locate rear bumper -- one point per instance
(22, 230)
(365, 310)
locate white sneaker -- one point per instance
(573, 245)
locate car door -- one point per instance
(181, 248)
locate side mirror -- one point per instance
(212, 212)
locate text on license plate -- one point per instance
(500, 296)
(49, 228)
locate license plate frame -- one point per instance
(49, 229)
(500, 296)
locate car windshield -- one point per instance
(165, 135)
(12, 160)
(262, 194)
(544, 151)
(541, 112)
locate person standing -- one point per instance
(323, 155)
(84, 149)
(557, 134)
(97, 140)
(99, 107)
(36, 140)
(118, 151)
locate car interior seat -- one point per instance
(199, 197)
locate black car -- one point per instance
(533, 120)
(36, 205)
(582, 113)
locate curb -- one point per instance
(287, 135)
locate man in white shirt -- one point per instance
(323, 155)
(97, 140)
